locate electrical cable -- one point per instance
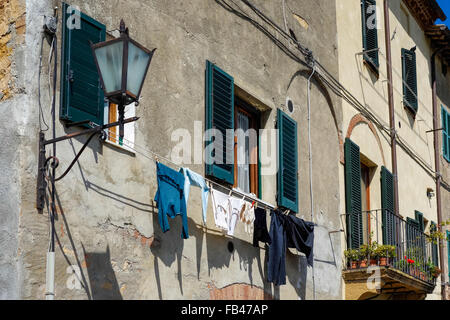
(41, 113)
(311, 192)
(156, 157)
(336, 86)
(55, 52)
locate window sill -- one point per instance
(119, 147)
(410, 110)
(372, 68)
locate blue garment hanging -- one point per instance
(276, 265)
(170, 198)
(192, 178)
(287, 231)
(260, 232)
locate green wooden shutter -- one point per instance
(409, 80)
(419, 219)
(353, 194)
(412, 232)
(445, 117)
(81, 92)
(434, 246)
(287, 195)
(220, 116)
(369, 33)
(421, 237)
(388, 207)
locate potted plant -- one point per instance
(385, 253)
(434, 270)
(352, 256)
(372, 253)
(414, 268)
(411, 266)
(363, 255)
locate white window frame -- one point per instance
(129, 128)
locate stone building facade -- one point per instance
(108, 241)
(299, 59)
(364, 63)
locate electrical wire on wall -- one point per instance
(311, 192)
(41, 113)
(49, 33)
(327, 78)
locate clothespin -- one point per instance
(253, 203)
(229, 194)
(156, 159)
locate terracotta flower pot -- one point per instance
(384, 261)
(373, 262)
(354, 264)
(414, 272)
(363, 264)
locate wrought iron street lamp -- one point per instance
(122, 64)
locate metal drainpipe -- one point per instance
(387, 33)
(436, 164)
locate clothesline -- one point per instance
(234, 190)
(285, 231)
(156, 157)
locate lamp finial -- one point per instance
(122, 28)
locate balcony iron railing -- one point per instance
(413, 250)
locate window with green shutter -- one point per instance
(388, 207)
(420, 221)
(409, 72)
(434, 246)
(370, 33)
(81, 93)
(353, 200)
(287, 196)
(412, 230)
(445, 117)
(220, 116)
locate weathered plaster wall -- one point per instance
(443, 100)
(12, 29)
(372, 92)
(108, 236)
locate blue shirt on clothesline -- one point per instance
(170, 198)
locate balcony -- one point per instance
(383, 247)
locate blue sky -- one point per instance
(445, 5)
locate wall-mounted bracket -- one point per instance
(43, 161)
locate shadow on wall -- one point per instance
(168, 248)
(221, 252)
(101, 275)
(102, 280)
(60, 211)
(296, 273)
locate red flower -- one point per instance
(410, 261)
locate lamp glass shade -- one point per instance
(109, 59)
(138, 61)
